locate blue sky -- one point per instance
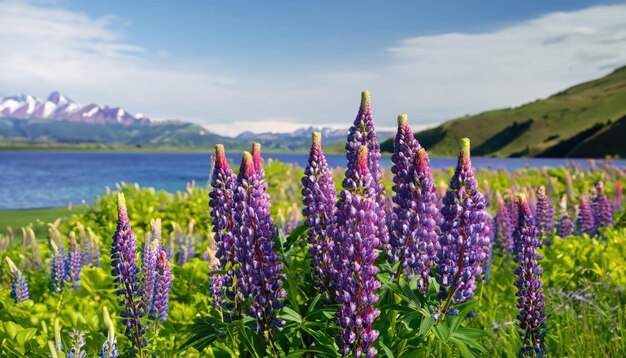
(279, 65)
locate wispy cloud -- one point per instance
(433, 78)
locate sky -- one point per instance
(278, 66)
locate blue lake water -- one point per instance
(39, 179)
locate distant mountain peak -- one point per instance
(60, 107)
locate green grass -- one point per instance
(37, 217)
(534, 128)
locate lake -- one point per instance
(39, 179)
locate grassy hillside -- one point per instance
(587, 120)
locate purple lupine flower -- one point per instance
(221, 203)
(149, 253)
(73, 264)
(565, 226)
(126, 281)
(109, 347)
(489, 260)
(258, 161)
(545, 216)
(57, 260)
(487, 193)
(355, 253)
(618, 198)
(253, 230)
(19, 286)
(162, 288)
(512, 203)
(503, 227)
(85, 245)
(584, 222)
(189, 240)
(601, 208)
(78, 341)
(319, 196)
(464, 243)
(529, 286)
(362, 132)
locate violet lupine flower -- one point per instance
(355, 253)
(545, 216)
(73, 264)
(253, 229)
(109, 347)
(489, 261)
(78, 341)
(19, 286)
(503, 226)
(512, 203)
(584, 222)
(565, 226)
(362, 132)
(258, 161)
(601, 207)
(85, 245)
(221, 200)
(529, 286)
(464, 243)
(57, 260)
(149, 253)
(126, 282)
(319, 196)
(618, 198)
(163, 279)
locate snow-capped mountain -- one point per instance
(59, 107)
(328, 134)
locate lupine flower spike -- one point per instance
(601, 207)
(464, 242)
(162, 288)
(529, 286)
(618, 198)
(545, 216)
(85, 245)
(565, 227)
(19, 286)
(73, 264)
(30, 250)
(503, 227)
(585, 222)
(259, 275)
(109, 347)
(319, 196)
(94, 244)
(126, 280)
(355, 254)
(57, 260)
(78, 341)
(361, 133)
(221, 200)
(149, 253)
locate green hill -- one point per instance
(587, 120)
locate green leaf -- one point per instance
(290, 315)
(388, 352)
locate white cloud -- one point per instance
(432, 78)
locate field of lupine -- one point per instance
(278, 261)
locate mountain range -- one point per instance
(586, 120)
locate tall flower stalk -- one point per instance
(19, 286)
(163, 278)
(464, 242)
(85, 245)
(545, 216)
(109, 347)
(565, 226)
(362, 132)
(57, 260)
(602, 208)
(585, 223)
(319, 196)
(73, 264)
(149, 253)
(355, 254)
(503, 227)
(126, 281)
(529, 286)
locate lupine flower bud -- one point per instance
(355, 253)
(85, 245)
(319, 196)
(19, 286)
(565, 227)
(258, 161)
(503, 227)
(94, 244)
(162, 289)
(30, 250)
(109, 347)
(414, 221)
(125, 271)
(584, 222)
(618, 198)
(73, 264)
(529, 286)
(221, 203)
(361, 133)
(149, 253)
(253, 229)
(601, 208)
(545, 216)
(189, 240)
(465, 235)
(78, 341)
(57, 260)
